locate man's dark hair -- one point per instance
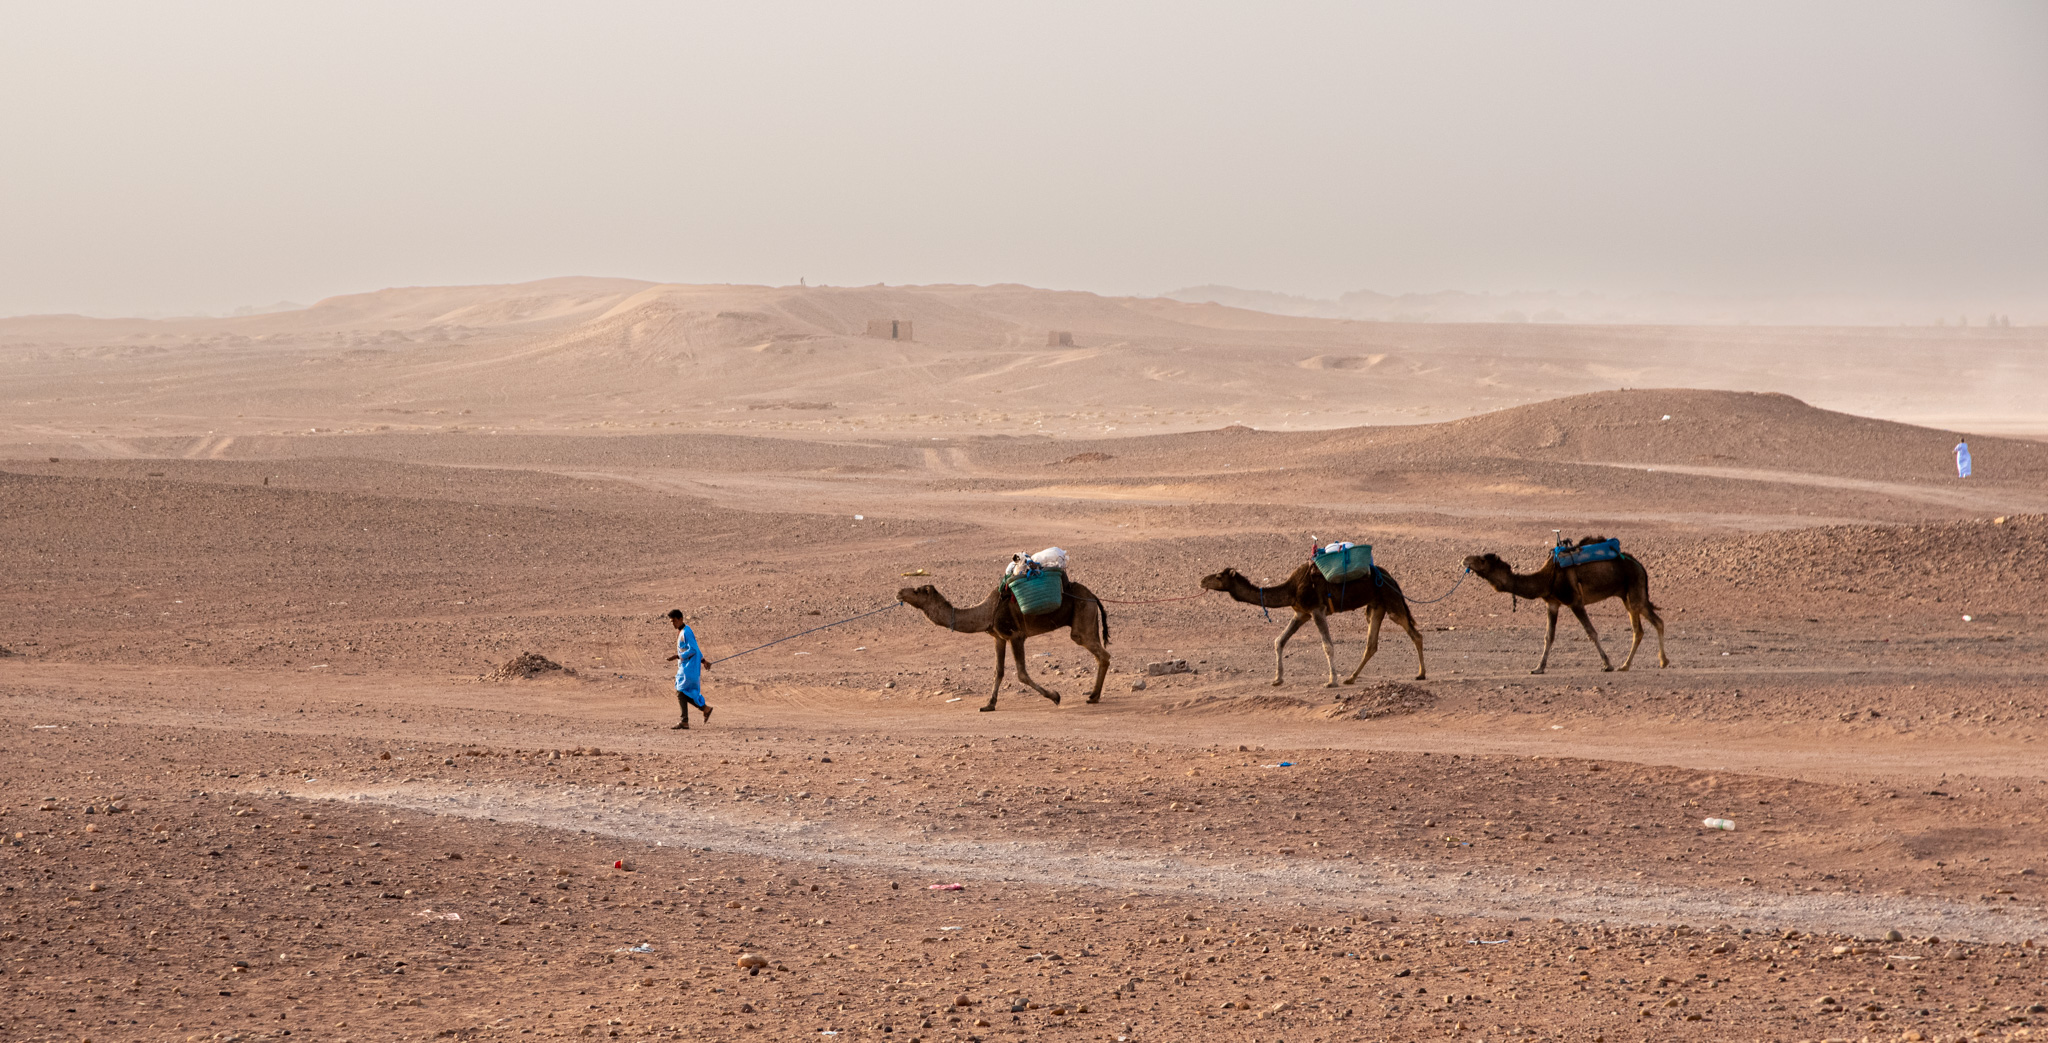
(675, 613)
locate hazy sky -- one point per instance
(192, 157)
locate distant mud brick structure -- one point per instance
(1059, 339)
(890, 329)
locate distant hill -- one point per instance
(608, 354)
(1667, 309)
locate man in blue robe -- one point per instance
(689, 661)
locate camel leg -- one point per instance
(1587, 622)
(1089, 640)
(1280, 645)
(1549, 638)
(1329, 648)
(1635, 626)
(1407, 621)
(1017, 653)
(999, 676)
(1372, 640)
(1658, 622)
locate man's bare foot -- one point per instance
(685, 726)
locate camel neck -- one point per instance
(1252, 594)
(1530, 585)
(972, 620)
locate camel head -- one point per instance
(1221, 580)
(921, 596)
(1489, 567)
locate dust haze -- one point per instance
(332, 632)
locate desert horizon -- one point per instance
(604, 354)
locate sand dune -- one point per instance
(619, 355)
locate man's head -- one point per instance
(675, 616)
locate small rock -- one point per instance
(1138, 685)
(1894, 936)
(1170, 666)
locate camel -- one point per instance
(1080, 611)
(1313, 597)
(1575, 588)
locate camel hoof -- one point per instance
(1538, 670)
(1096, 698)
(1351, 680)
(1333, 684)
(1054, 696)
(1422, 677)
(1278, 682)
(988, 709)
(1607, 669)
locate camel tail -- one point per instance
(1103, 614)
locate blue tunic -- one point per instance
(689, 662)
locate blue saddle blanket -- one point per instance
(1566, 557)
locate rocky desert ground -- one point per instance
(268, 776)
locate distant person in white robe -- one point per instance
(1962, 459)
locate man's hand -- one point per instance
(672, 657)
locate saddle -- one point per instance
(1584, 553)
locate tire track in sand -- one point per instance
(1415, 887)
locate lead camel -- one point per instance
(1313, 598)
(1575, 588)
(998, 616)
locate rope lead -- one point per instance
(801, 633)
(1445, 594)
